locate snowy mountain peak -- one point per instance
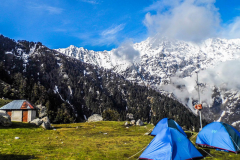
(164, 61)
(161, 59)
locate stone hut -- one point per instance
(20, 110)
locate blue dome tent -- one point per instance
(219, 135)
(170, 144)
(164, 123)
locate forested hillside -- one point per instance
(72, 90)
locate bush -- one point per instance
(110, 115)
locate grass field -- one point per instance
(84, 141)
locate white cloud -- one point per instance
(189, 20)
(231, 30)
(127, 52)
(113, 30)
(225, 75)
(47, 8)
(53, 10)
(107, 37)
(90, 1)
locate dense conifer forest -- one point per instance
(72, 90)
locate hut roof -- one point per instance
(17, 104)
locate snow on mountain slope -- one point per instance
(161, 59)
(164, 61)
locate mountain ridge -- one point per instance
(73, 90)
(166, 63)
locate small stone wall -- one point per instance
(16, 116)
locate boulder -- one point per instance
(129, 116)
(5, 119)
(139, 123)
(45, 119)
(42, 111)
(132, 122)
(36, 121)
(126, 123)
(2, 111)
(46, 123)
(95, 118)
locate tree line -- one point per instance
(72, 90)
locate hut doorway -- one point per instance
(24, 116)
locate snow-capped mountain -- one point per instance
(161, 59)
(164, 61)
(72, 90)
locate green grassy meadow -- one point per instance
(107, 140)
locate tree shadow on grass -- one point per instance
(19, 125)
(189, 134)
(205, 152)
(15, 157)
(59, 127)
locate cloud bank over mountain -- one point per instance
(189, 20)
(224, 75)
(127, 52)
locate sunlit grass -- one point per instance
(83, 141)
(99, 140)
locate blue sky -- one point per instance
(106, 24)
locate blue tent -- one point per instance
(164, 123)
(170, 144)
(219, 135)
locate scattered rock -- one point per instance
(42, 111)
(133, 122)
(46, 123)
(129, 116)
(2, 111)
(95, 118)
(36, 121)
(139, 123)
(45, 119)
(126, 123)
(5, 119)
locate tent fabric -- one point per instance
(234, 135)
(219, 135)
(164, 123)
(170, 144)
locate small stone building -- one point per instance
(20, 110)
